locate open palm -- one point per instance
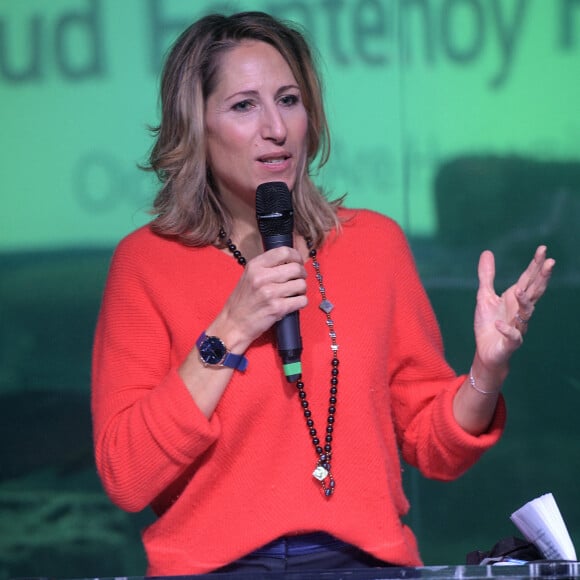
(501, 321)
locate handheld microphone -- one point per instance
(276, 224)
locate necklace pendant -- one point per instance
(326, 479)
(320, 473)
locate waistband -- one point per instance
(300, 545)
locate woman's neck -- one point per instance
(246, 237)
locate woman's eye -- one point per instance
(289, 100)
(242, 106)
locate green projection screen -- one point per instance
(409, 84)
(458, 118)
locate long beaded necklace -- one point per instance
(322, 471)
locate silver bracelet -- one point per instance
(472, 383)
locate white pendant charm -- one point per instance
(320, 473)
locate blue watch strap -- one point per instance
(235, 361)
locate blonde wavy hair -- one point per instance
(188, 206)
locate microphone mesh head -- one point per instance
(274, 208)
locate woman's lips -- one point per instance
(277, 162)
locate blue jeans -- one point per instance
(317, 551)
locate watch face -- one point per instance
(212, 350)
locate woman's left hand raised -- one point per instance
(501, 321)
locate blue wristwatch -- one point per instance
(214, 353)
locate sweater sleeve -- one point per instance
(423, 385)
(147, 428)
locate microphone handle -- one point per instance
(272, 241)
(286, 331)
(288, 328)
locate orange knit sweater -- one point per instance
(225, 486)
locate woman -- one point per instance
(244, 469)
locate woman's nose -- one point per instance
(273, 125)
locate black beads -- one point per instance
(232, 248)
(322, 472)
